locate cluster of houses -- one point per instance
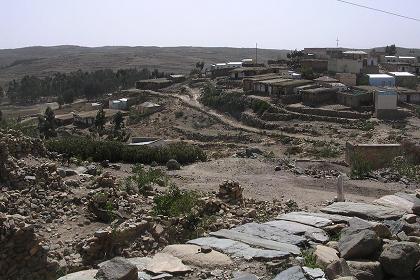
(356, 79)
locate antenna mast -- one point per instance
(256, 53)
(337, 41)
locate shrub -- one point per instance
(324, 150)
(309, 259)
(143, 179)
(404, 167)
(360, 167)
(175, 202)
(100, 150)
(294, 150)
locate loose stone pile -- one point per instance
(22, 255)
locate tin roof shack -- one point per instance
(63, 120)
(316, 65)
(356, 99)
(243, 72)
(120, 104)
(177, 78)
(381, 80)
(223, 69)
(349, 79)
(324, 80)
(319, 96)
(153, 84)
(408, 95)
(87, 119)
(338, 86)
(286, 86)
(148, 107)
(405, 79)
(248, 83)
(377, 155)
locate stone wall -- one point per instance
(22, 256)
(329, 113)
(378, 155)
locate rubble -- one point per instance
(231, 192)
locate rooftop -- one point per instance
(379, 76)
(160, 80)
(354, 52)
(402, 74)
(148, 104)
(326, 79)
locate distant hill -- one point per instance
(43, 61)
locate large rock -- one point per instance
(81, 275)
(271, 233)
(306, 219)
(379, 228)
(238, 249)
(313, 233)
(293, 273)
(337, 269)
(192, 255)
(162, 262)
(257, 241)
(364, 210)
(358, 244)
(366, 270)
(400, 259)
(416, 208)
(325, 255)
(396, 202)
(240, 275)
(117, 269)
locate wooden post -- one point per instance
(340, 189)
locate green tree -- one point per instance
(118, 121)
(391, 50)
(47, 124)
(100, 120)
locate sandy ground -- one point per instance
(260, 181)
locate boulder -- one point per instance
(194, 255)
(416, 208)
(162, 262)
(172, 164)
(293, 273)
(240, 275)
(400, 259)
(366, 270)
(381, 230)
(117, 269)
(337, 269)
(358, 243)
(325, 255)
(81, 275)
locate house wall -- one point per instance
(348, 79)
(382, 82)
(386, 100)
(345, 65)
(354, 101)
(327, 96)
(406, 81)
(409, 98)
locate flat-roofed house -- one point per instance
(381, 80)
(405, 79)
(153, 84)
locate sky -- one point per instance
(273, 24)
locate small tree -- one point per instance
(118, 121)
(47, 124)
(100, 120)
(391, 50)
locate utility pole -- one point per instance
(256, 53)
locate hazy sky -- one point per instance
(234, 23)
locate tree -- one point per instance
(391, 50)
(100, 120)
(118, 121)
(295, 57)
(1, 115)
(47, 124)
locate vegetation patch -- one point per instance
(175, 202)
(360, 167)
(100, 150)
(142, 180)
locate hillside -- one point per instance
(41, 61)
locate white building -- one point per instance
(381, 80)
(119, 104)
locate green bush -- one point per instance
(100, 150)
(404, 167)
(144, 179)
(175, 202)
(324, 150)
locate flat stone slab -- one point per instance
(337, 219)
(271, 233)
(293, 273)
(238, 249)
(140, 262)
(396, 202)
(364, 210)
(191, 255)
(310, 232)
(81, 275)
(306, 219)
(257, 241)
(162, 263)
